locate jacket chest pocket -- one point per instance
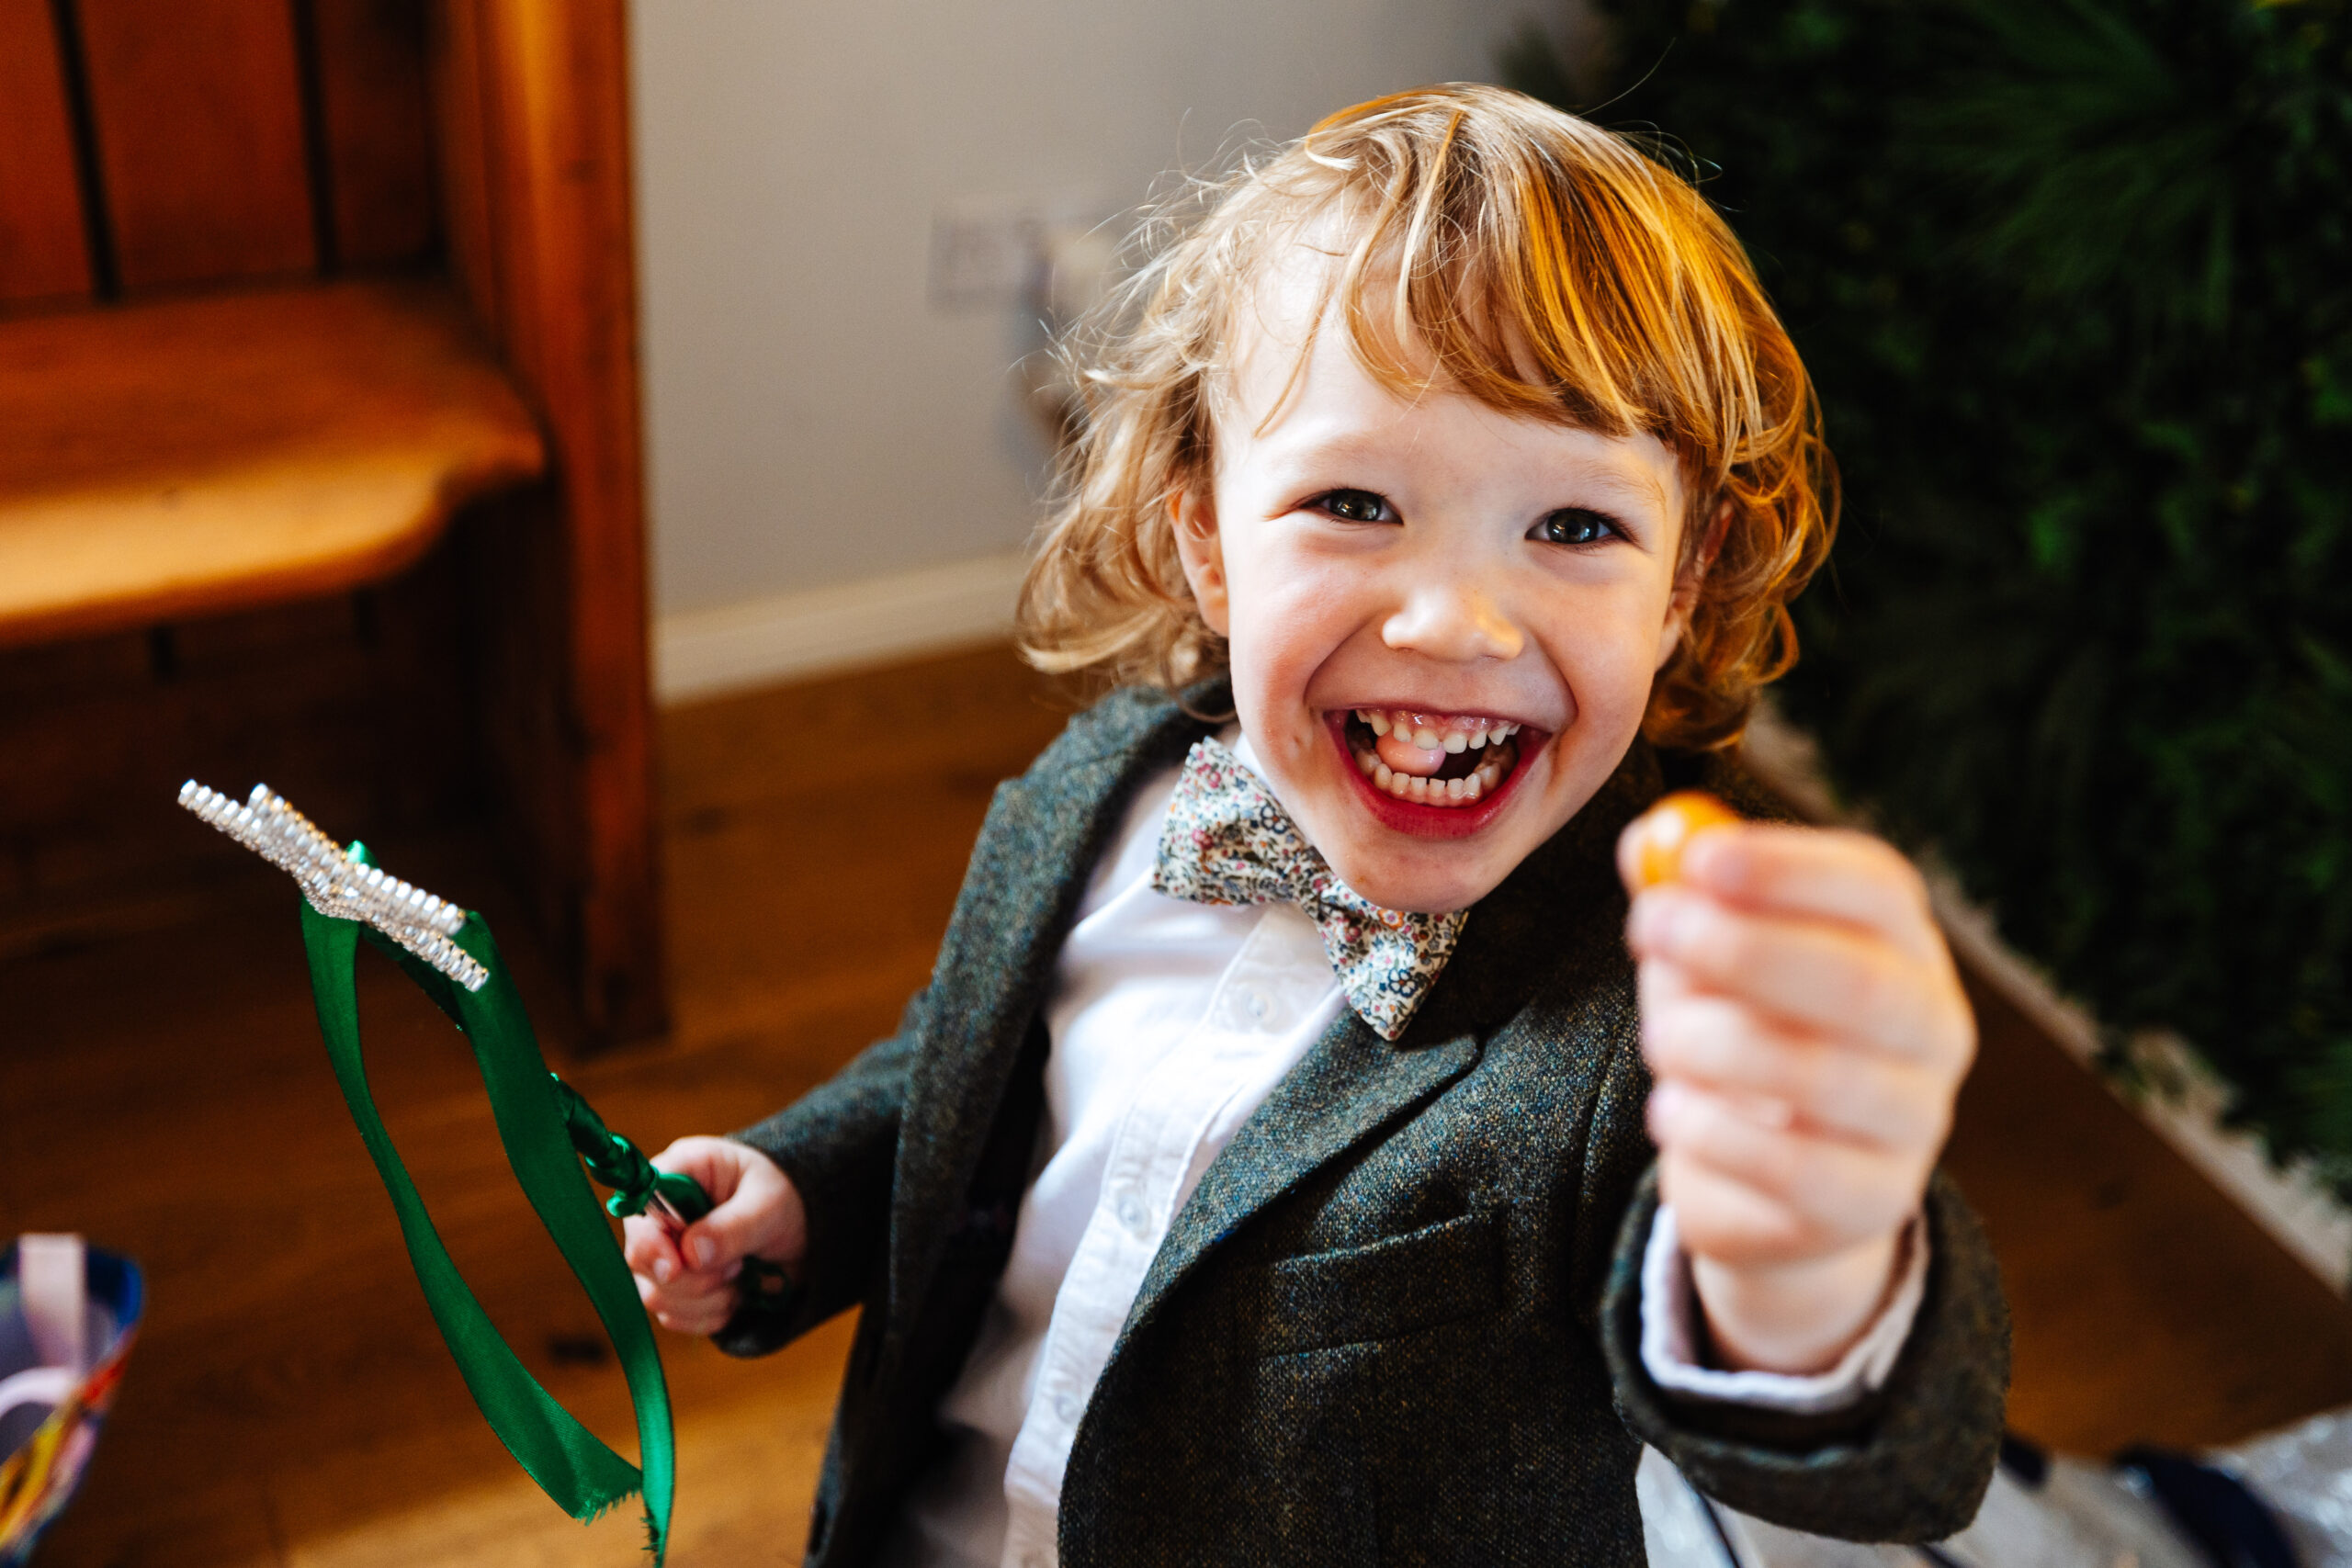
(1439, 1274)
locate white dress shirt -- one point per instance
(1171, 1023)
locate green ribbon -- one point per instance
(622, 1165)
(570, 1463)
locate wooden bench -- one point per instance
(319, 448)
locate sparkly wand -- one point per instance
(547, 1131)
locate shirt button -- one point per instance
(1133, 1215)
(1253, 1002)
(1066, 1407)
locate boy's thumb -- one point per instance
(719, 1238)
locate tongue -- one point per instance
(1418, 763)
(1402, 756)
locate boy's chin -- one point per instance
(1417, 877)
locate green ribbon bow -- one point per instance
(570, 1463)
(621, 1165)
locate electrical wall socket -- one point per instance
(989, 254)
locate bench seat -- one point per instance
(166, 459)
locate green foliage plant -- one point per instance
(2076, 280)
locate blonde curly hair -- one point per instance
(1486, 244)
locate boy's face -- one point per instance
(1403, 581)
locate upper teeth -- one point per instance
(1433, 732)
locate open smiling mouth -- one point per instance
(1433, 758)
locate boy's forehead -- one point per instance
(1292, 336)
(1282, 309)
(1294, 315)
(1295, 309)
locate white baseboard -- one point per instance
(2298, 1210)
(704, 653)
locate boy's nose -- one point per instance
(1454, 620)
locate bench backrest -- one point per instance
(157, 144)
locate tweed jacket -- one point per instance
(1398, 1319)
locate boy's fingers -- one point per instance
(696, 1319)
(694, 1294)
(1719, 1217)
(648, 1249)
(735, 1229)
(690, 1301)
(1817, 977)
(1861, 1096)
(715, 1163)
(1824, 874)
(686, 1290)
(704, 1245)
(1841, 1189)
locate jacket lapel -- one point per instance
(1043, 835)
(1349, 1084)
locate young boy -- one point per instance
(1263, 1177)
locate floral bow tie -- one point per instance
(1229, 841)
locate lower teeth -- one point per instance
(1422, 791)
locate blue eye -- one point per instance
(1575, 526)
(1356, 506)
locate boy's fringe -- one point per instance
(1476, 229)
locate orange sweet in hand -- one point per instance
(1662, 832)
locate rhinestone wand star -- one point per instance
(336, 882)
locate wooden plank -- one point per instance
(199, 129)
(2118, 1256)
(521, 681)
(42, 252)
(379, 130)
(462, 147)
(343, 702)
(552, 99)
(187, 457)
(572, 331)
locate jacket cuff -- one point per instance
(1908, 1463)
(1674, 1334)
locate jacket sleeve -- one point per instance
(839, 1144)
(1909, 1463)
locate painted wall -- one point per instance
(814, 418)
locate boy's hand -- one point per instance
(689, 1284)
(1808, 1034)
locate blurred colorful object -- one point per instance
(68, 1314)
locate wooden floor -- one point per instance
(290, 1402)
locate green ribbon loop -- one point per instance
(571, 1464)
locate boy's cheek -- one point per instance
(1278, 648)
